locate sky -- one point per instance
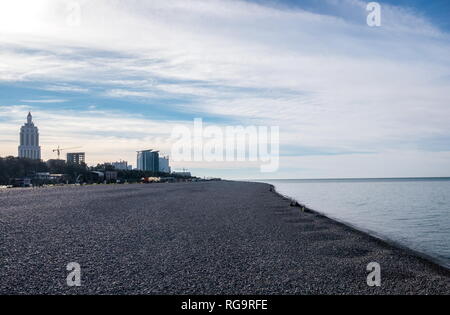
(112, 77)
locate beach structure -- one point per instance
(29, 140)
(21, 182)
(148, 160)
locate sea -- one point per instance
(412, 212)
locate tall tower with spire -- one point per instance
(29, 140)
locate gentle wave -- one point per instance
(413, 212)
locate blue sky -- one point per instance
(436, 11)
(350, 100)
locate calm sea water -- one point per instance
(412, 212)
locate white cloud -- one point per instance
(44, 101)
(351, 87)
(127, 93)
(65, 88)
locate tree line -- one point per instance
(13, 167)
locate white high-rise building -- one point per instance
(29, 140)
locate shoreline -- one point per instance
(427, 258)
(202, 238)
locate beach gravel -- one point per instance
(192, 238)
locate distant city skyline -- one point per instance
(350, 100)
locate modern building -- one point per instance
(76, 158)
(148, 160)
(121, 166)
(29, 140)
(164, 164)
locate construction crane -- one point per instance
(59, 150)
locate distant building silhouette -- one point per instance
(29, 140)
(76, 158)
(122, 166)
(164, 164)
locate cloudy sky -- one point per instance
(116, 76)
